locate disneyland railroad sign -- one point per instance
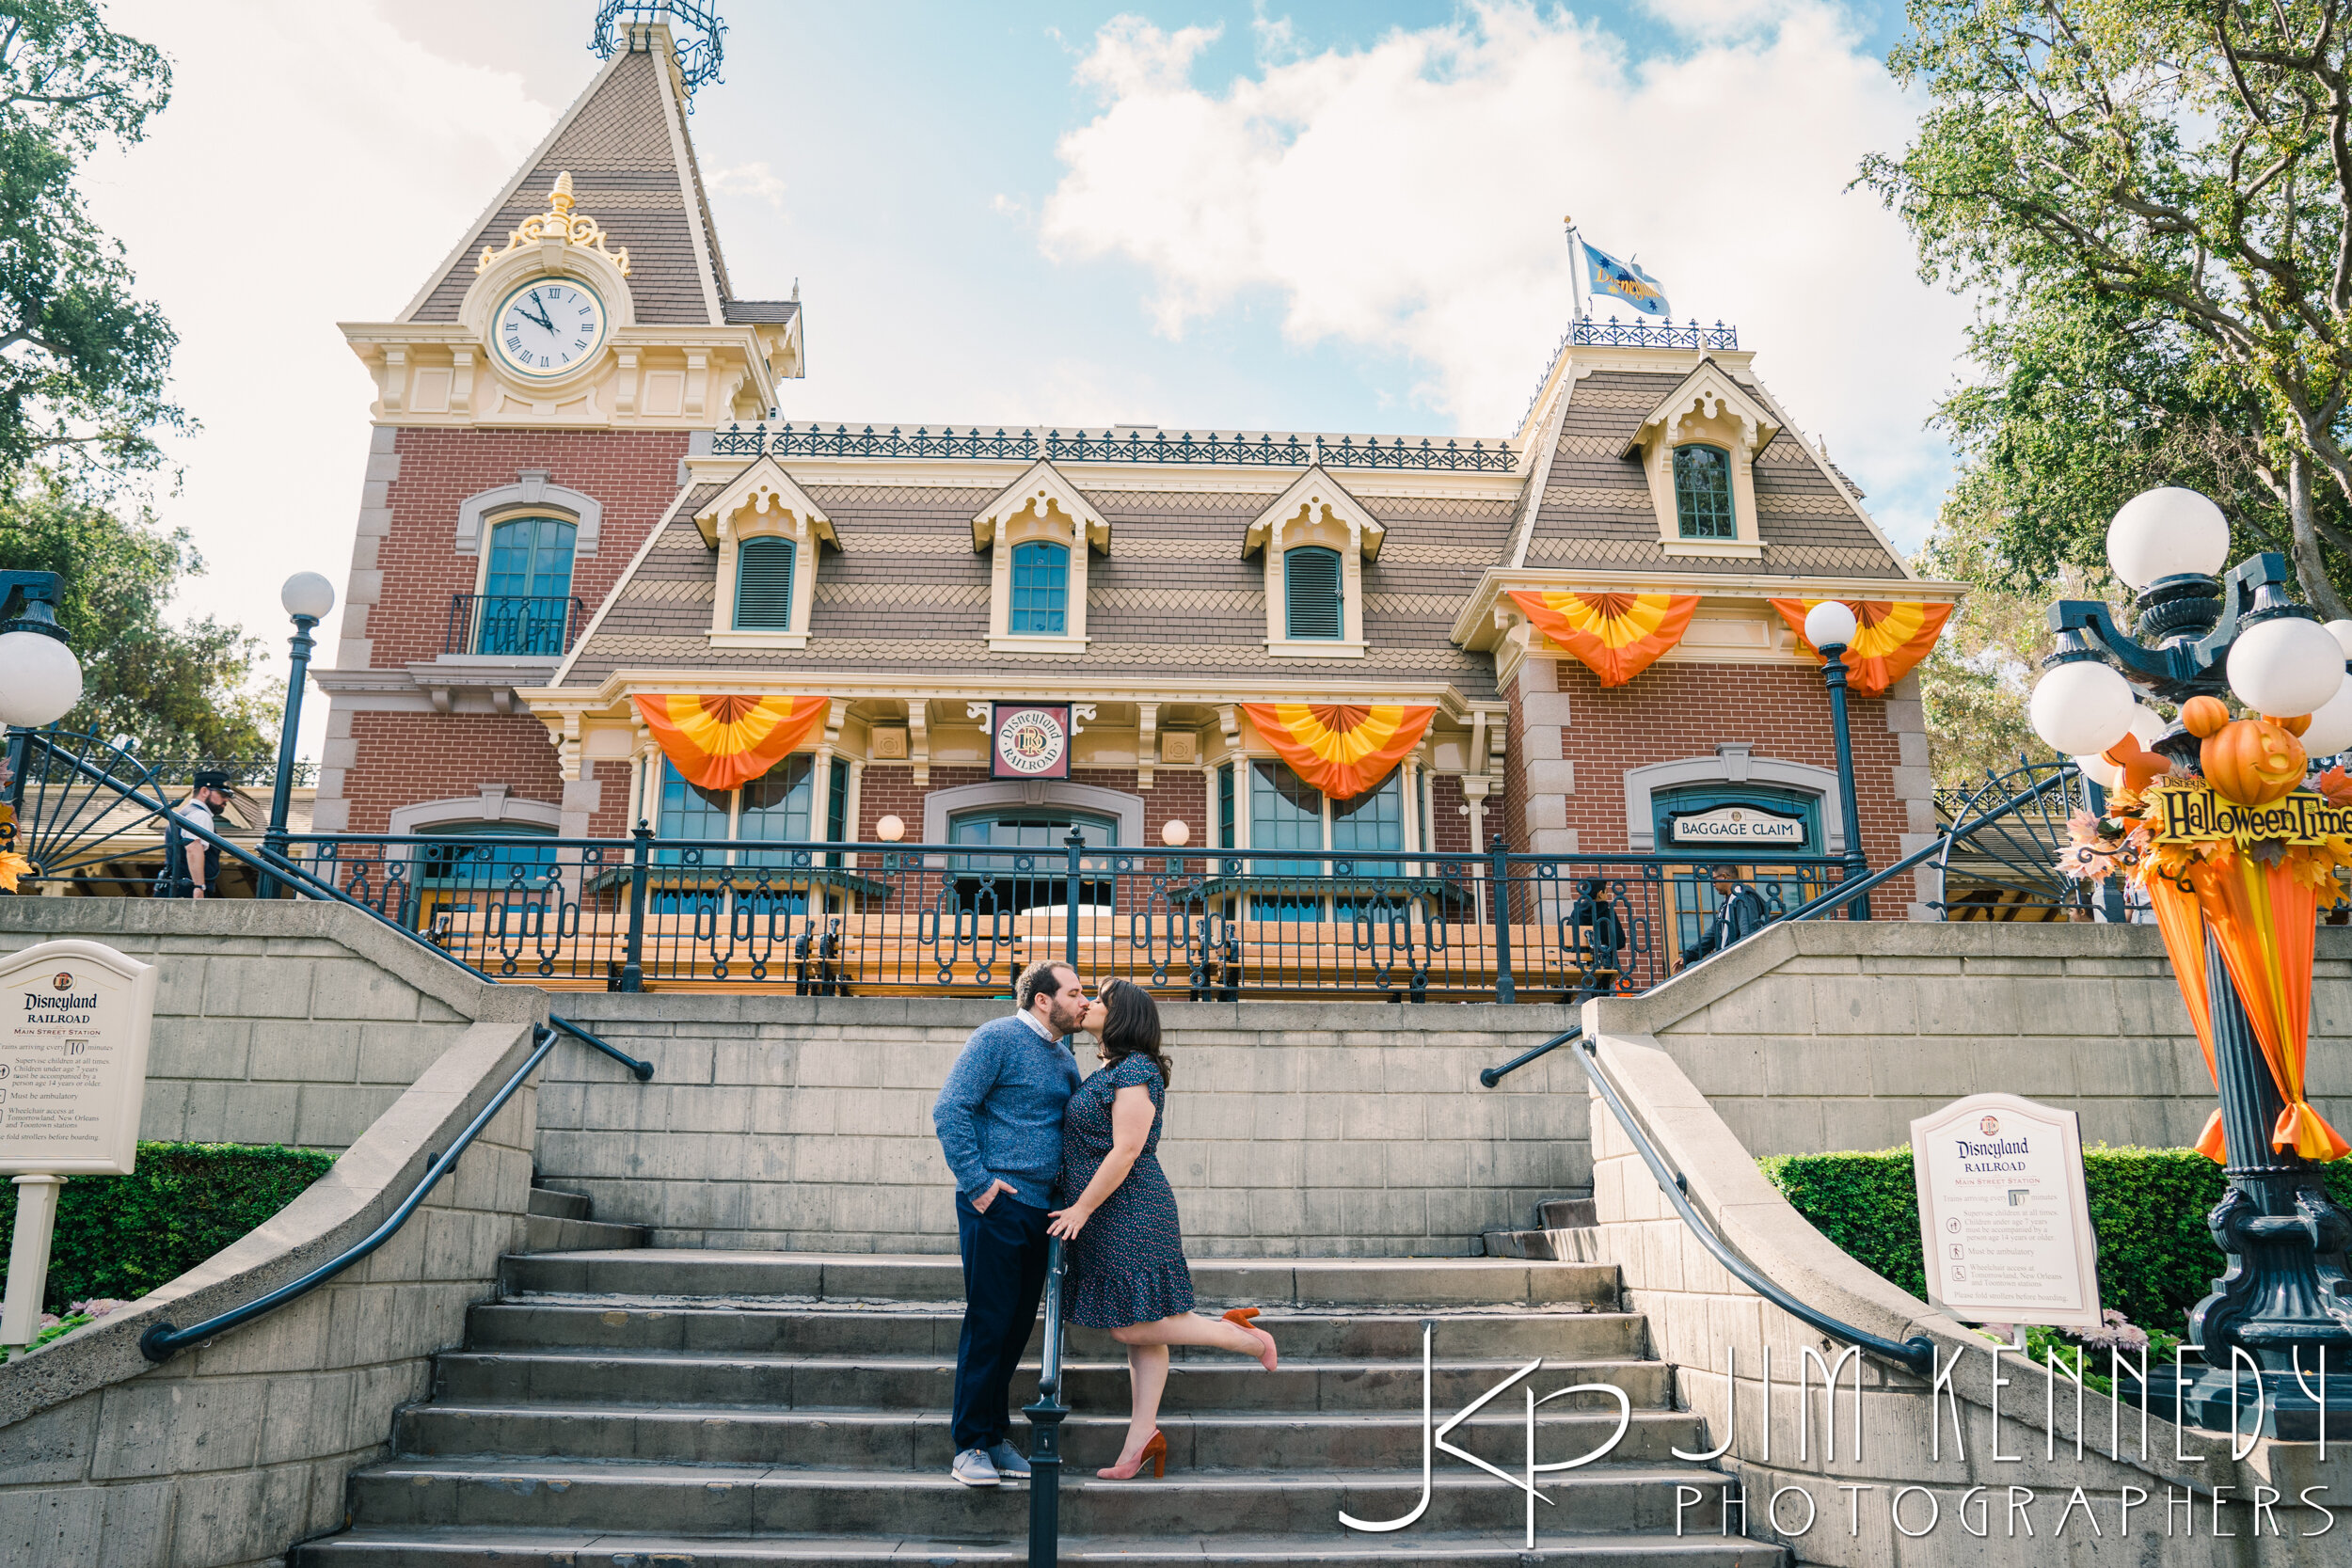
(72, 1058)
(1739, 825)
(1029, 740)
(2004, 1218)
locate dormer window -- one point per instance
(1313, 599)
(1702, 493)
(763, 584)
(1040, 590)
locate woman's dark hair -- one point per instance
(1132, 1024)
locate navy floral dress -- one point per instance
(1127, 1266)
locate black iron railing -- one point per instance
(852, 919)
(1045, 1418)
(520, 626)
(1647, 334)
(1184, 447)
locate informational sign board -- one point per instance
(74, 1019)
(1739, 825)
(2004, 1218)
(1029, 740)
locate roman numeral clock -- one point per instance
(548, 327)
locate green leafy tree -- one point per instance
(83, 362)
(2151, 201)
(177, 689)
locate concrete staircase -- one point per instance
(1544, 1242)
(735, 1409)
(559, 1222)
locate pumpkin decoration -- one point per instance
(2252, 762)
(2294, 726)
(2204, 717)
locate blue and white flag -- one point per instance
(1609, 276)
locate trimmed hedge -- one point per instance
(123, 1235)
(2157, 1260)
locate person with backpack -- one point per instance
(191, 864)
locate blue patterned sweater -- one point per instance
(999, 1114)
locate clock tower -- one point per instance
(533, 402)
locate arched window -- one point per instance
(1040, 590)
(1702, 493)
(525, 605)
(763, 585)
(1313, 607)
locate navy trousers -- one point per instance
(1004, 1275)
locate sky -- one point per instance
(1330, 217)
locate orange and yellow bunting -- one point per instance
(1893, 636)
(1616, 635)
(1340, 750)
(725, 742)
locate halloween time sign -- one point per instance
(2200, 815)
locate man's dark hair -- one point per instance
(1037, 980)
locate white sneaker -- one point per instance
(973, 1468)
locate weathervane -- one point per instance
(696, 34)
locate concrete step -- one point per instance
(549, 1233)
(1566, 1213)
(926, 1383)
(450, 1546)
(1373, 1282)
(912, 1441)
(722, 1500)
(549, 1323)
(546, 1201)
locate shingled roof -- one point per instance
(632, 165)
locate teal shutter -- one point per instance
(763, 585)
(1311, 590)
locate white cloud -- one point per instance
(754, 179)
(1407, 197)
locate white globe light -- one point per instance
(1175, 831)
(2082, 708)
(308, 594)
(2148, 727)
(41, 680)
(2162, 534)
(2331, 725)
(2343, 632)
(1830, 625)
(890, 830)
(2099, 771)
(2285, 667)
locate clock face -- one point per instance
(549, 328)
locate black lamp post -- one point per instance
(2281, 1304)
(41, 680)
(1830, 628)
(307, 597)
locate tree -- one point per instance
(83, 363)
(2152, 201)
(177, 691)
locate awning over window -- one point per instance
(1893, 636)
(1615, 634)
(1341, 750)
(725, 742)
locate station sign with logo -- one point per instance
(1740, 826)
(74, 1019)
(2004, 1215)
(1029, 740)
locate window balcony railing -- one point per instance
(1184, 447)
(518, 626)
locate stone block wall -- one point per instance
(1293, 1129)
(228, 1454)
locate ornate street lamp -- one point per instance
(1830, 628)
(2282, 1303)
(307, 597)
(41, 680)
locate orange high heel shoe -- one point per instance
(1155, 1450)
(1239, 1317)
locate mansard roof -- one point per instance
(624, 142)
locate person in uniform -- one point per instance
(192, 865)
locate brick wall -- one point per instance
(633, 473)
(401, 758)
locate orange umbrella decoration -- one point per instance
(1618, 636)
(1341, 750)
(1893, 635)
(2248, 873)
(725, 742)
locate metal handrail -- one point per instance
(266, 859)
(1917, 1354)
(1813, 909)
(163, 1340)
(1493, 1075)
(1045, 1418)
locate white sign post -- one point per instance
(2004, 1218)
(74, 1019)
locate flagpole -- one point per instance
(1576, 270)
